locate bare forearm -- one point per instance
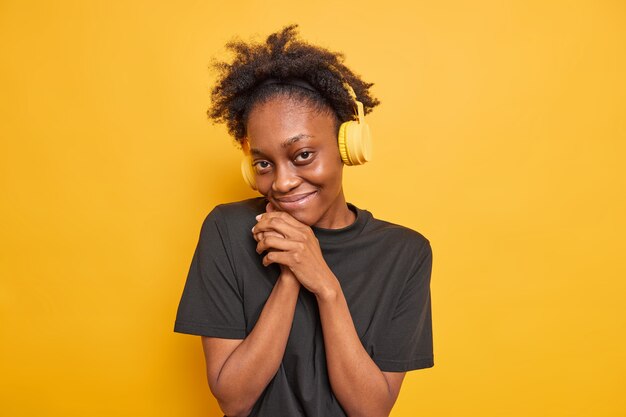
(356, 380)
(253, 364)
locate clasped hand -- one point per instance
(293, 245)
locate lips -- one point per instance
(290, 202)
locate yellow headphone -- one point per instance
(354, 138)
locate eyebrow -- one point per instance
(288, 142)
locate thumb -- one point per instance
(269, 208)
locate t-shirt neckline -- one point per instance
(345, 233)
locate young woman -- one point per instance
(306, 304)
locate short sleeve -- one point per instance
(408, 342)
(211, 303)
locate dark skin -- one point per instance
(298, 169)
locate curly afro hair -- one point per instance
(240, 84)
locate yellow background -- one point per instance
(501, 137)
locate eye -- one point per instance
(261, 167)
(304, 156)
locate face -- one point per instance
(297, 163)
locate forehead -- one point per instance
(279, 119)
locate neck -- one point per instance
(337, 217)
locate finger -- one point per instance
(259, 236)
(288, 218)
(280, 258)
(272, 233)
(281, 230)
(287, 226)
(277, 243)
(275, 225)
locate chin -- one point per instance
(308, 220)
(303, 217)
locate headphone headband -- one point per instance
(296, 82)
(299, 82)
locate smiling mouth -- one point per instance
(296, 201)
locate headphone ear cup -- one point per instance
(355, 143)
(247, 171)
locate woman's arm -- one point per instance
(239, 370)
(357, 382)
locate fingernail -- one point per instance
(259, 216)
(252, 230)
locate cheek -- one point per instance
(328, 173)
(263, 184)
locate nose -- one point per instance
(285, 179)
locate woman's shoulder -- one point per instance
(243, 208)
(399, 234)
(238, 214)
(378, 225)
(401, 245)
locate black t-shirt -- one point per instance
(384, 271)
